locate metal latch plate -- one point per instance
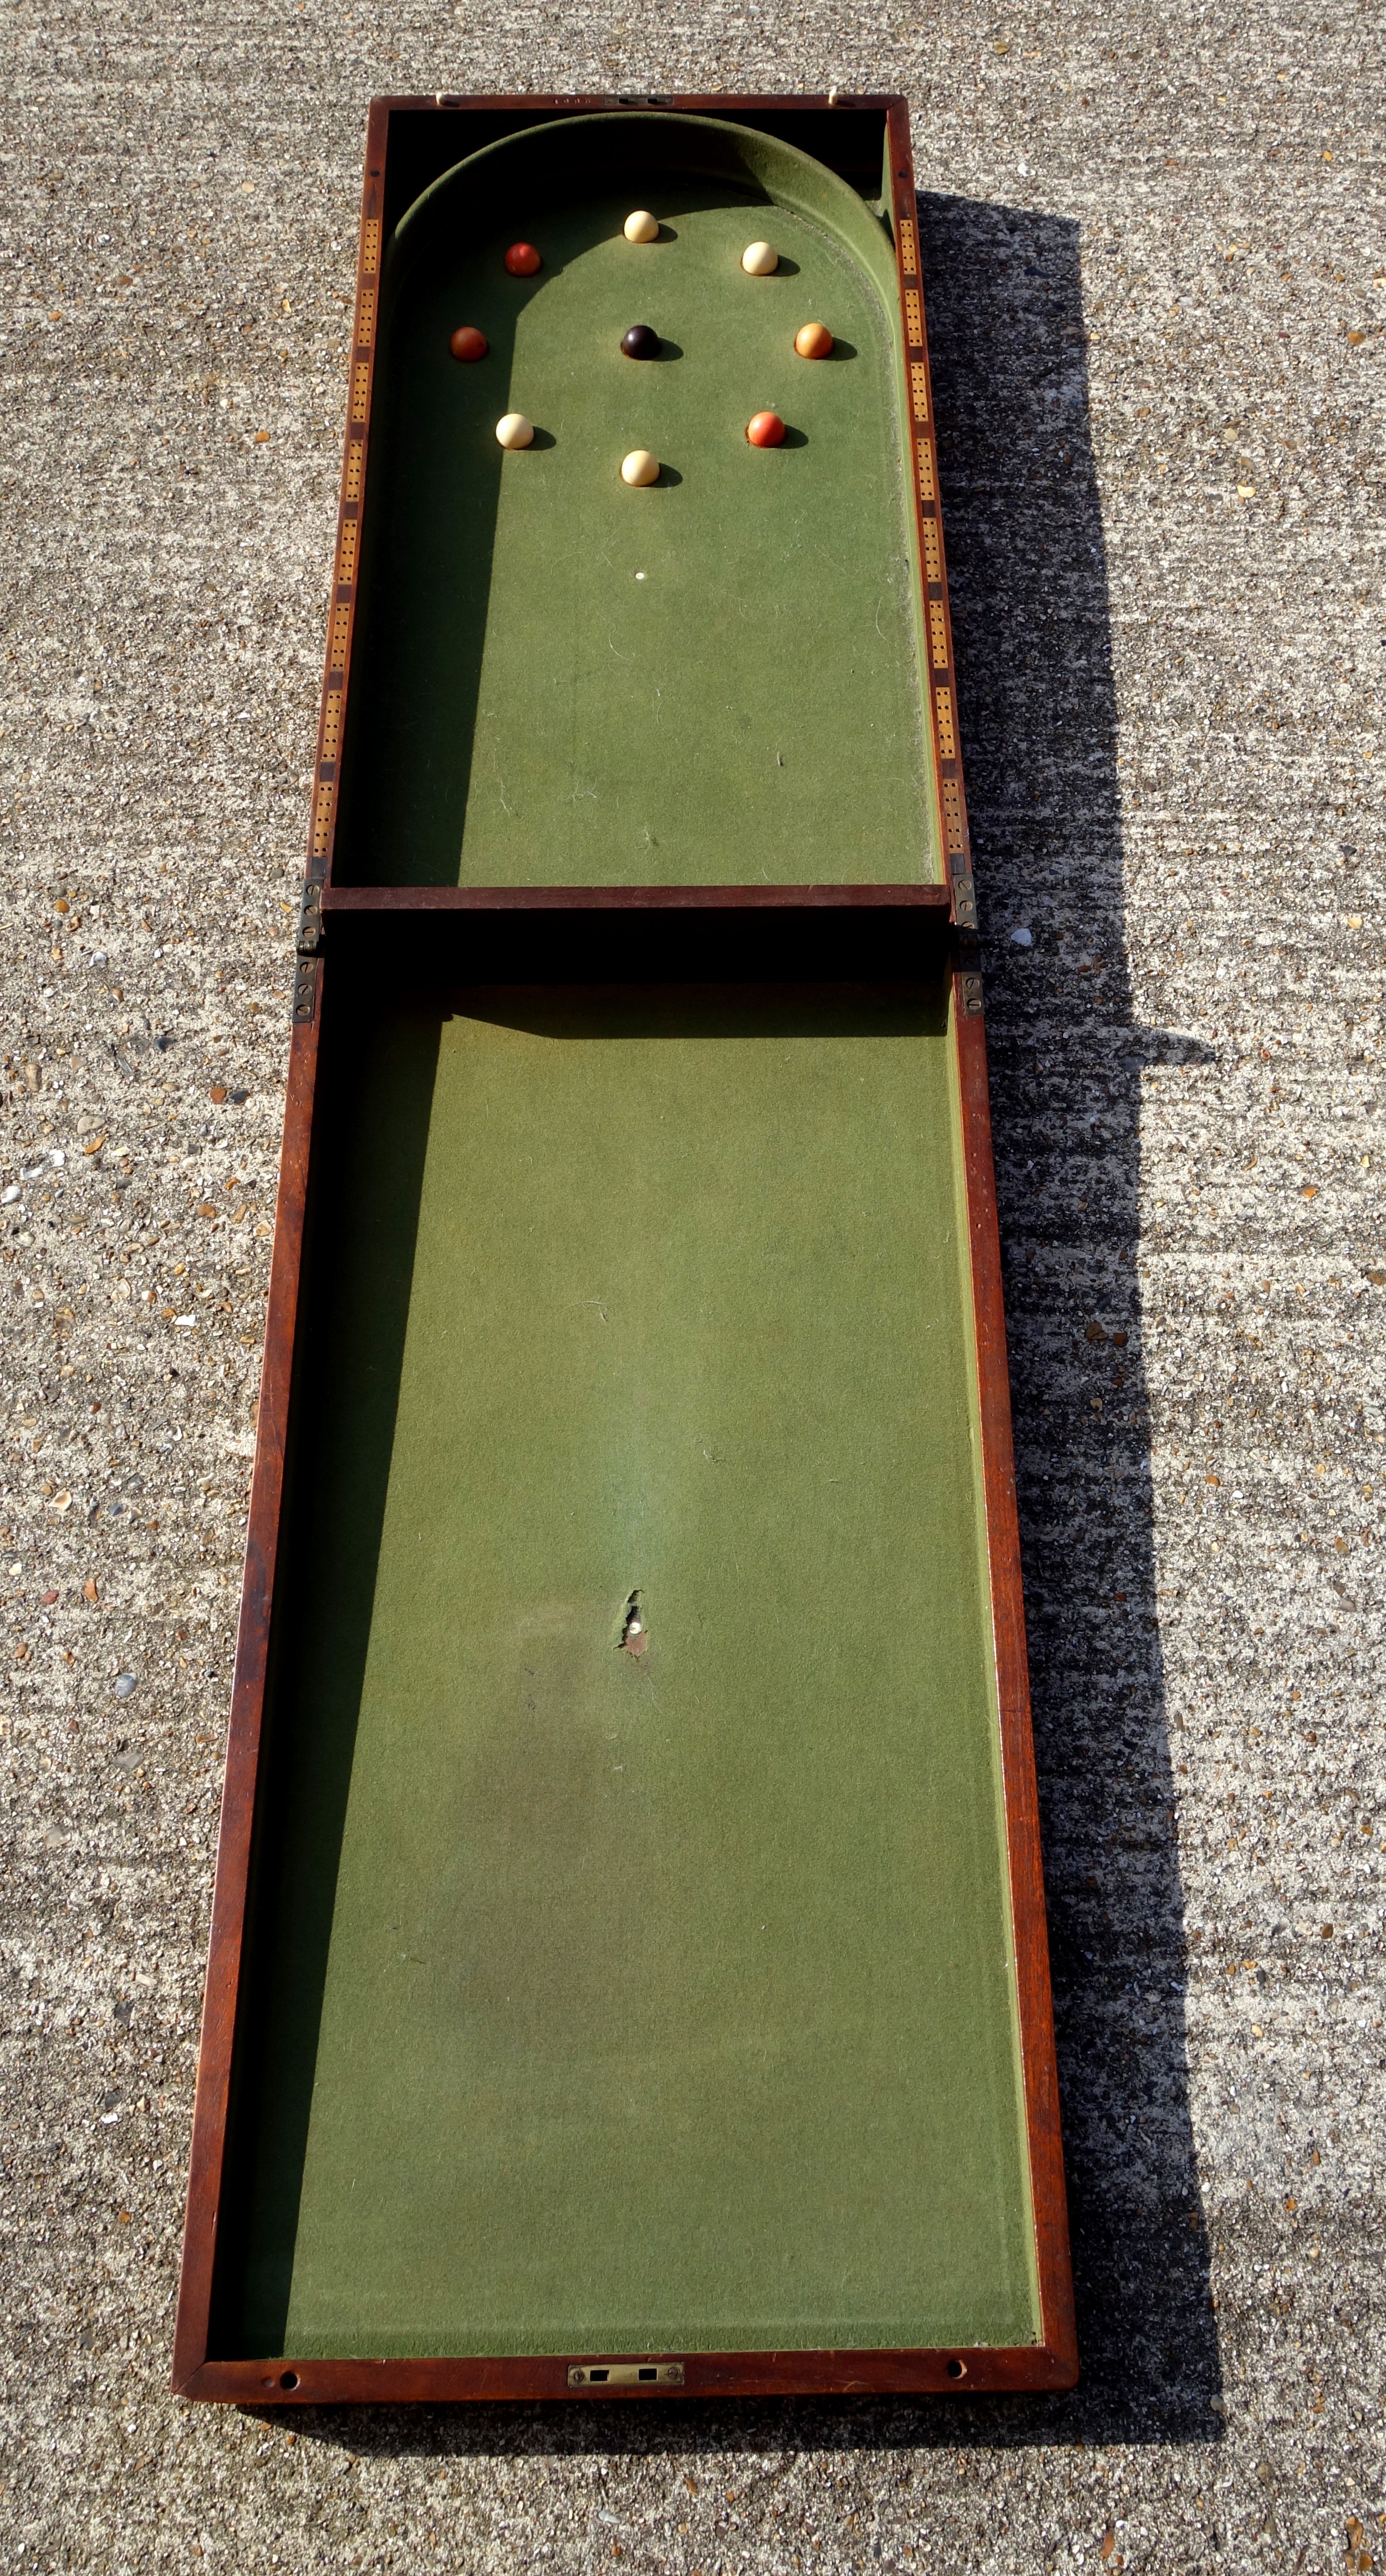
(626, 2374)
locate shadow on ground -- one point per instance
(1032, 628)
(1032, 624)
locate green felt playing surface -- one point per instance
(560, 680)
(594, 2001)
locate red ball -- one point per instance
(766, 430)
(468, 343)
(522, 259)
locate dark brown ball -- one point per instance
(640, 341)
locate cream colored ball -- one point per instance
(642, 226)
(515, 430)
(760, 259)
(640, 467)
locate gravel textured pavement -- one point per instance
(1156, 281)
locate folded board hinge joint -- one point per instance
(305, 989)
(309, 939)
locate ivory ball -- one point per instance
(760, 260)
(642, 226)
(515, 430)
(640, 467)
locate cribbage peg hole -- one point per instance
(956, 2369)
(288, 2379)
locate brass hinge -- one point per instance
(965, 902)
(309, 939)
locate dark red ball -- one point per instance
(640, 342)
(522, 259)
(468, 343)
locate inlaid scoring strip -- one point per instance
(945, 730)
(323, 802)
(344, 576)
(950, 789)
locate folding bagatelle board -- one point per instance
(628, 1967)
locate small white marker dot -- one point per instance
(640, 576)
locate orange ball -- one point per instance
(468, 343)
(814, 341)
(522, 259)
(766, 430)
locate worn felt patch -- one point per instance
(603, 1999)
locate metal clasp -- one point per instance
(626, 2374)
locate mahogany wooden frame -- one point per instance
(786, 919)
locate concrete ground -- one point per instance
(1157, 284)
